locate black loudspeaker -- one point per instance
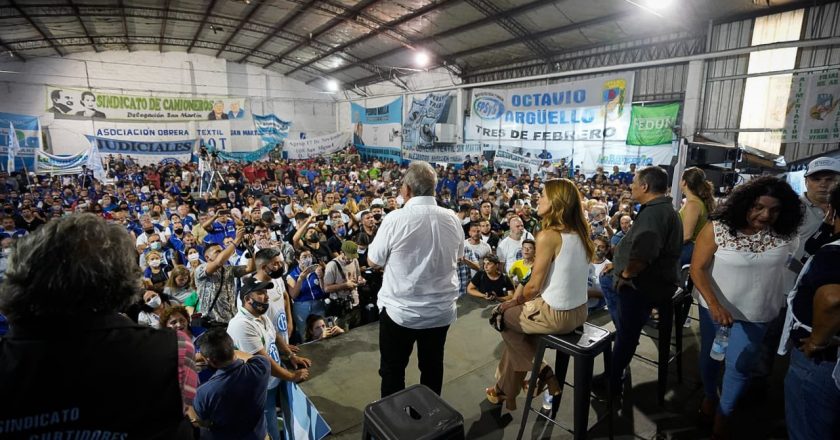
(706, 154)
(721, 178)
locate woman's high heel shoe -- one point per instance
(545, 380)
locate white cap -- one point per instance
(823, 164)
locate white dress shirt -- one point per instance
(419, 245)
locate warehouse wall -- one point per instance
(23, 85)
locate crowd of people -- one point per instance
(245, 262)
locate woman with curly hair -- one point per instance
(738, 271)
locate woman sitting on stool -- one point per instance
(554, 299)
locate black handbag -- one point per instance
(497, 319)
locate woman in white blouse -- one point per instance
(554, 299)
(738, 269)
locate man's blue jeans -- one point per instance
(742, 356)
(271, 413)
(610, 296)
(633, 313)
(812, 400)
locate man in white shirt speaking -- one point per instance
(419, 246)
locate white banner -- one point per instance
(60, 165)
(68, 103)
(315, 146)
(813, 110)
(553, 116)
(70, 136)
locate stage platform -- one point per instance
(345, 379)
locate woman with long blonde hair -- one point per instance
(553, 300)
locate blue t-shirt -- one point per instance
(220, 231)
(233, 400)
(310, 289)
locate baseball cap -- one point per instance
(350, 249)
(252, 284)
(823, 164)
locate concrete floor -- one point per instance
(345, 379)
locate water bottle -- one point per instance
(546, 401)
(719, 345)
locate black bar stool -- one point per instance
(584, 345)
(672, 315)
(414, 413)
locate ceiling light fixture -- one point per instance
(216, 29)
(421, 58)
(655, 7)
(332, 85)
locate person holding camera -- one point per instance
(308, 237)
(220, 226)
(342, 277)
(215, 282)
(490, 283)
(304, 283)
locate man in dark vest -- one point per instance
(71, 365)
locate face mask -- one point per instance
(179, 231)
(231, 182)
(317, 332)
(600, 254)
(149, 231)
(192, 257)
(362, 250)
(342, 231)
(155, 246)
(154, 263)
(154, 302)
(277, 273)
(306, 262)
(259, 307)
(7, 251)
(145, 209)
(314, 238)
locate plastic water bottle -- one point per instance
(719, 345)
(547, 397)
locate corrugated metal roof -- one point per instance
(354, 41)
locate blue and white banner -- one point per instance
(443, 153)
(271, 129)
(302, 419)
(316, 146)
(418, 131)
(52, 164)
(377, 125)
(27, 135)
(145, 152)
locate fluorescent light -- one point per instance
(421, 58)
(332, 85)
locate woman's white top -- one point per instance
(566, 283)
(748, 273)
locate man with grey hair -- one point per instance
(419, 246)
(65, 286)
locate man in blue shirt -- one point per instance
(10, 230)
(219, 226)
(231, 404)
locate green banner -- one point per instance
(651, 124)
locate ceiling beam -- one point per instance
(543, 34)
(242, 22)
(125, 24)
(348, 14)
(82, 23)
(301, 8)
(202, 24)
(448, 33)
(512, 26)
(36, 26)
(11, 51)
(163, 25)
(391, 24)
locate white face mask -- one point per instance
(154, 302)
(192, 257)
(154, 263)
(305, 262)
